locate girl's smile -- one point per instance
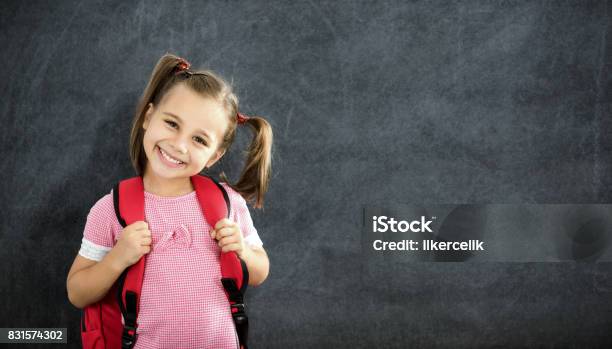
(167, 159)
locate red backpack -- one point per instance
(111, 322)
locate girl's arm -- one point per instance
(89, 281)
(257, 263)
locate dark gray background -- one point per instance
(371, 103)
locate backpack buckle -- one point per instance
(239, 316)
(129, 336)
(241, 307)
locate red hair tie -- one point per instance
(241, 118)
(182, 65)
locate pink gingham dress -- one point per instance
(183, 304)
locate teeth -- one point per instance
(167, 157)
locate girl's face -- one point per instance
(183, 133)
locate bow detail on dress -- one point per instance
(179, 237)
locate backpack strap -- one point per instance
(234, 272)
(128, 199)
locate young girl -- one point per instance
(184, 123)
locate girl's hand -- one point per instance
(133, 243)
(229, 236)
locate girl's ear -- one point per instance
(148, 115)
(215, 158)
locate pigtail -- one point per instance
(253, 182)
(162, 74)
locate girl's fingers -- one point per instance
(230, 247)
(220, 233)
(140, 225)
(227, 231)
(225, 222)
(227, 240)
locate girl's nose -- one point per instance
(180, 146)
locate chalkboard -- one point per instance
(371, 103)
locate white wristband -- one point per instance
(93, 251)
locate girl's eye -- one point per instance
(200, 140)
(171, 123)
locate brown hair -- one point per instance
(170, 71)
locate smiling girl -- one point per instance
(185, 122)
